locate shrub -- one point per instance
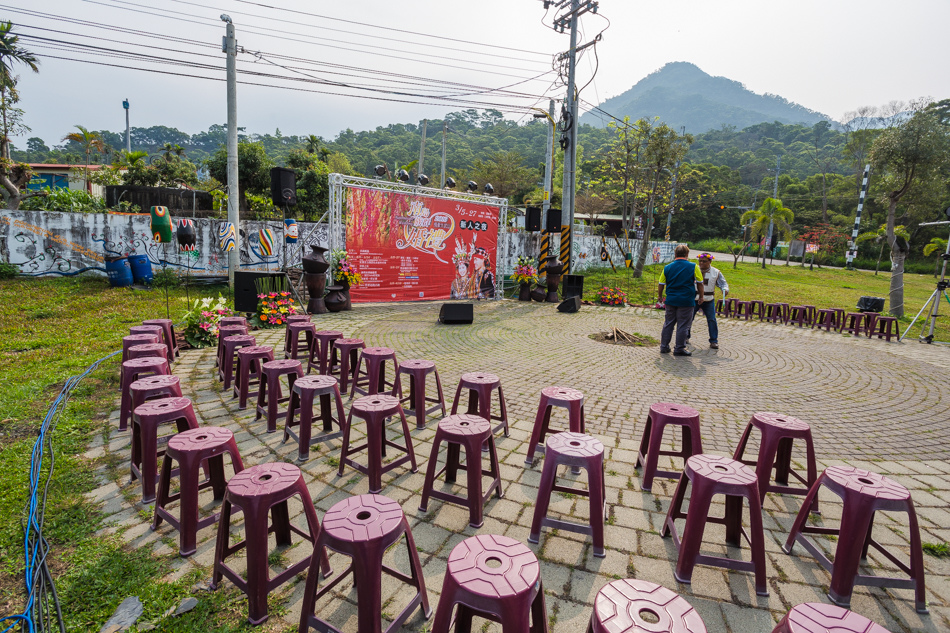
(201, 322)
(65, 200)
(166, 278)
(8, 270)
(611, 296)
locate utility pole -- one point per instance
(229, 46)
(669, 216)
(570, 134)
(422, 150)
(128, 130)
(768, 238)
(445, 129)
(548, 168)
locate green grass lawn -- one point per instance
(823, 288)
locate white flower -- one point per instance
(206, 302)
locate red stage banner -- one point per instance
(411, 248)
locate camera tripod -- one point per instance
(932, 304)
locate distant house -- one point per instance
(57, 176)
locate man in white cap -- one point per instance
(712, 279)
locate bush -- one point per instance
(65, 200)
(716, 245)
(8, 270)
(166, 278)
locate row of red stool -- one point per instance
(870, 324)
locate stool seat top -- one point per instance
(145, 362)
(149, 347)
(867, 483)
(264, 480)
(152, 382)
(240, 339)
(302, 325)
(787, 422)
(134, 339)
(574, 444)
(363, 518)
(494, 566)
(828, 309)
(417, 363)
(480, 378)
(297, 318)
(379, 402)
(157, 322)
(200, 439)
(720, 469)
(813, 617)
(251, 350)
(232, 320)
(857, 314)
(163, 406)
(315, 383)
(673, 410)
(329, 333)
(563, 393)
(621, 605)
(378, 351)
(465, 424)
(283, 364)
(778, 304)
(348, 341)
(145, 329)
(804, 306)
(886, 318)
(228, 330)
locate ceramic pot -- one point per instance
(336, 299)
(315, 268)
(553, 269)
(524, 292)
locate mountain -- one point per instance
(681, 94)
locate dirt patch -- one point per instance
(619, 337)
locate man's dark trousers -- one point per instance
(681, 317)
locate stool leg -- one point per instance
(376, 448)
(346, 444)
(417, 395)
(539, 430)
(847, 556)
(493, 468)
(802, 517)
(473, 471)
(431, 468)
(539, 613)
(280, 515)
(743, 441)
(149, 468)
(504, 408)
(415, 571)
(221, 544)
(216, 473)
(463, 619)
(548, 474)
(438, 384)
(769, 454)
(812, 469)
(255, 532)
(691, 541)
(676, 506)
(455, 402)
(408, 438)
(757, 536)
(916, 560)
(367, 576)
(263, 381)
(733, 520)
(273, 401)
(451, 462)
(164, 483)
(188, 506)
(649, 470)
(595, 478)
(644, 443)
(783, 461)
(313, 525)
(443, 611)
(306, 425)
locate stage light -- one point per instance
(450, 183)
(423, 180)
(472, 185)
(489, 190)
(381, 170)
(402, 175)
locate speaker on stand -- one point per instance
(532, 220)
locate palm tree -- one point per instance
(771, 212)
(880, 237)
(938, 245)
(11, 53)
(313, 143)
(89, 141)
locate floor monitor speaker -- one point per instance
(456, 313)
(570, 305)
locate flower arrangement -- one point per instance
(273, 308)
(612, 296)
(201, 322)
(525, 271)
(344, 269)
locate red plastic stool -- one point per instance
(372, 380)
(621, 605)
(720, 311)
(257, 491)
(225, 331)
(152, 387)
(776, 312)
(232, 320)
(417, 370)
(756, 309)
(132, 370)
(494, 577)
(828, 318)
(854, 323)
(813, 617)
(469, 432)
(293, 318)
(480, 386)
(870, 322)
(249, 371)
(268, 404)
(158, 350)
(661, 415)
(147, 446)
(324, 390)
(579, 451)
(863, 494)
(296, 349)
(730, 307)
(882, 328)
(570, 399)
(743, 310)
(344, 357)
(190, 448)
(138, 339)
(228, 364)
(775, 452)
(320, 349)
(375, 410)
(168, 331)
(712, 475)
(802, 315)
(364, 527)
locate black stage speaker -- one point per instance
(871, 304)
(573, 286)
(456, 313)
(245, 292)
(283, 186)
(532, 219)
(554, 221)
(569, 306)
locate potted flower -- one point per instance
(273, 308)
(525, 274)
(344, 271)
(201, 322)
(612, 296)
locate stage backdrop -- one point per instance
(411, 248)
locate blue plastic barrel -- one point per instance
(141, 269)
(119, 271)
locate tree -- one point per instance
(772, 212)
(619, 169)
(880, 237)
(506, 172)
(253, 170)
(11, 53)
(909, 157)
(827, 238)
(313, 188)
(936, 245)
(89, 141)
(313, 143)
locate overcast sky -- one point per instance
(830, 56)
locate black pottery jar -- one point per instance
(315, 267)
